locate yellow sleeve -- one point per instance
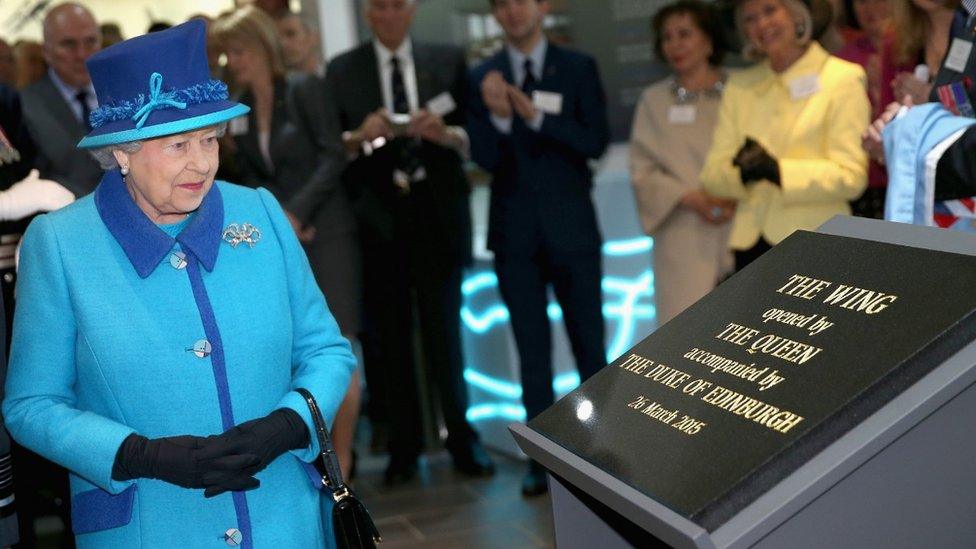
(842, 174)
(719, 177)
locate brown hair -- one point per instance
(705, 18)
(911, 25)
(253, 27)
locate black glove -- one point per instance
(178, 460)
(755, 164)
(265, 438)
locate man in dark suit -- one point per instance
(56, 108)
(538, 113)
(401, 107)
(955, 157)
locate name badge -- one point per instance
(958, 55)
(237, 126)
(548, 102)
(441, 105)
(804, 86)
(682, 114)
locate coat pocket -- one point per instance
(95, 510)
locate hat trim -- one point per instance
(203, 92)
(160, 130)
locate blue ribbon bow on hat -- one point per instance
(157, 100)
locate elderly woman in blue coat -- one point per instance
(164, 323)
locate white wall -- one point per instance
(134, 16)
(337, 20)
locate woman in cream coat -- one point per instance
(787, 144)
(671, 135)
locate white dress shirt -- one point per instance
(517, 60)
(69, 94)
(404, 54)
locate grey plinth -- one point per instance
(904, 477)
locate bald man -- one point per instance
(56, 108)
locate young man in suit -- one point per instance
(401, 106)
(56, 108)
(538, 115)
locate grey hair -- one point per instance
(804, 27)
(106, 159)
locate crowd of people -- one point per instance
(366, 156)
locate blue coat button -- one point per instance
(201, 348)
(233, 537)
(178, 260)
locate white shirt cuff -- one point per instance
(536, 122)
(503, 125)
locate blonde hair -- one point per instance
(251, 26)
(911, 25)
(800, 13)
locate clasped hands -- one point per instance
(502, 98)
(756, 164)
(217, 463)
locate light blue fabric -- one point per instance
(907, 141)
(100, 352)
(158, 99)
(168, 128)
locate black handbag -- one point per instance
(351, 521)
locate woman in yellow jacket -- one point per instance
(787, 146)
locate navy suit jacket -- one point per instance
(541, 181)
(955, 175)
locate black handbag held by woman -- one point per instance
(351, 522)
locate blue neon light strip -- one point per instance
(640, 245)
(632, 302)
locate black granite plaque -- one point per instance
(727, 399)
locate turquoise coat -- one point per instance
(121, 328)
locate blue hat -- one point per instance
(154, 85)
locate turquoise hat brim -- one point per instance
(167, 128)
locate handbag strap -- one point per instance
(329, 461)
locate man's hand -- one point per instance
(905, 84)
(376, 124)
(494, 92)
(871, 138)
(522, 104)
(427, 125)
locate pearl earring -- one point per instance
(125, 170)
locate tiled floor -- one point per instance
(444, 510)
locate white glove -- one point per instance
(32, 195)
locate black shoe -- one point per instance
(534, 482)
(400, 471)
(472, 460)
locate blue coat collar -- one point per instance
(145, 244)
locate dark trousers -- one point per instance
(403, 281)
(575, 277)
(744, 257)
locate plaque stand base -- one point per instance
(903, 477)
